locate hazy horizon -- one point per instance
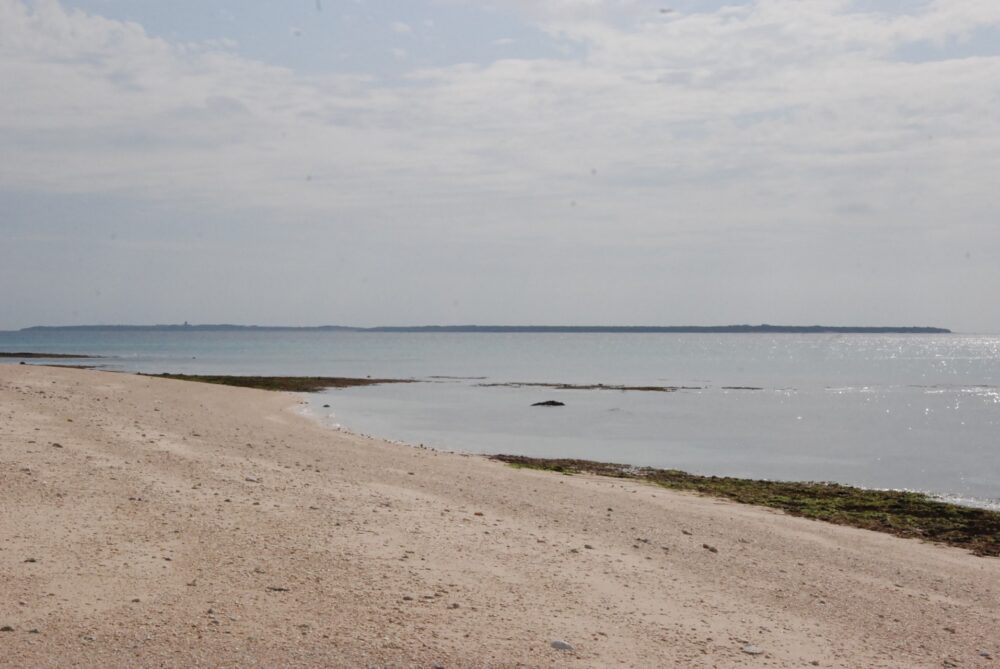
(483, 326)
(501, 162)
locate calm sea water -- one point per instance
(916, 412)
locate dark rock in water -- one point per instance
(549, 403)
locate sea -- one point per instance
(911, 412)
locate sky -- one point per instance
(601, 162)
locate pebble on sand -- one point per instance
(559, 644)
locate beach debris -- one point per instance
(751, 649)
(549, 403)
(6, 628)
(588, 547)
(986, 654)
(686, 532)
(276, 588)
(710, 549)
(559, 644)
(31, 560)
(251, 479)
(56, 445)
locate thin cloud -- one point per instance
(756, 121)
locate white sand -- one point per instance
(161, 525)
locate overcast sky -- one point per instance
(505, 162)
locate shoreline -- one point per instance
(133, 501)
(318, 384)
(314, 385)
(913, 514)
(901, 513)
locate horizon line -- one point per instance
(740, 327)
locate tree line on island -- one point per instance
(559, 329)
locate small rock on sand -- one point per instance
(751, 649)
(559, 644)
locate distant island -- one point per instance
(570, 329)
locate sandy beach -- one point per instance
(159, 523)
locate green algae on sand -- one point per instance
(36, 355)
(904, 514)
(301, 384)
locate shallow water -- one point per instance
(894, 411)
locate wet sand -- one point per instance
(153, 522)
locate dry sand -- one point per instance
(148, 522)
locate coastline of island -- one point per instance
(510, 329)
